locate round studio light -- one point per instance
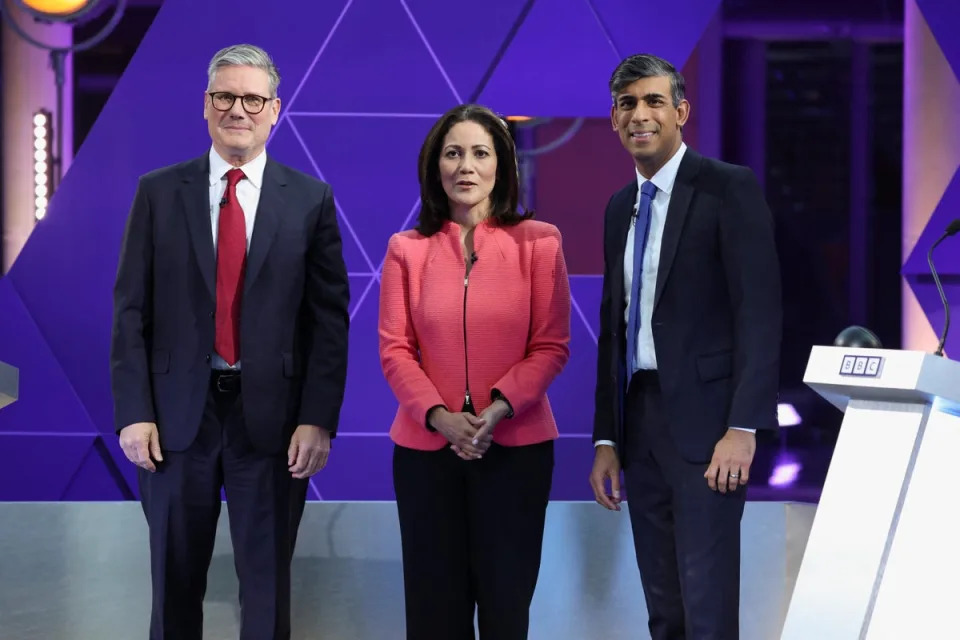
(58, 10)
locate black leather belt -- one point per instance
(225, 381)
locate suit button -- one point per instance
(212, 314)
(207, 358)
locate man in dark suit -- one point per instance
(229, 353)
(688, 361)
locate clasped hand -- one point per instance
(469, 436)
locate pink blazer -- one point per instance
(514, 315)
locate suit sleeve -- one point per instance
(133, 318)
(399, 350)
(327, 298)
(604, 427)
(752, 267)
(548, 347)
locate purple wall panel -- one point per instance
(943, 18)
(946, 258)
(375, 67)
(33, 468)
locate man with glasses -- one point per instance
(229, 353)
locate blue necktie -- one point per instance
(640, 233)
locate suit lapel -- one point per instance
(267, 221)
(623, 215)
(195, 196)
(676, 216)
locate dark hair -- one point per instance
(644, 65)
(504, 199)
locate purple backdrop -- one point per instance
(943, 18)
(359, 94)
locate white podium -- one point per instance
(9, 384)
(883, 557)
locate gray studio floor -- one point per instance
(79, 571)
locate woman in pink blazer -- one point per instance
(474, 326)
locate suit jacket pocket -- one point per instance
(290, 368)
(160, 361)
(715, 366)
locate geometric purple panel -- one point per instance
(586, 291)
(571, 394)
(569, 80)
(946, 258)
(379, 205)
(368, 404)
(363, 70)
(345, 476)
(39, 468)
(572, 462)
(286, 147)
(489, 29)
(48, 402)
(93, 480)
(360, 287)
(943, 18)
(672, 31)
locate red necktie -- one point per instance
(231, 260)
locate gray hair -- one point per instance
(244, 55)
(645, 65)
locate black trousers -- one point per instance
(472, 533)
(181, 501)
(687, 537)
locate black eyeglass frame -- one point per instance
(233, 101)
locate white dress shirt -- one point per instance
(663, 180)
(248, 195)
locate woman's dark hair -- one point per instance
(504, 199)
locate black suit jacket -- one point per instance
(294, 319)
(717, 311)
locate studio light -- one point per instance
(42, 161)
(50, 144)
(58, 10)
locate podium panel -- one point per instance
(919, 595)
(882, 554)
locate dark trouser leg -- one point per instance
(508, 493)
(687, 537)
(432, 507)
(265, 504)
(181, 501)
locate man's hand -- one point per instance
(308, 451)
(460, 430)
(606, 465)
(731, 462)
(492, 415)
(141, 441)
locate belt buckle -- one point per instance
(230, 379)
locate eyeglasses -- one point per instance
(252, 103)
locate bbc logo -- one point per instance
(863, 366)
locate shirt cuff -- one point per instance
(744, 429)
(609, 443)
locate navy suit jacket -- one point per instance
(717, 317)
(294, 319)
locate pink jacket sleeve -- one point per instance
(548, 347)
(399, 352)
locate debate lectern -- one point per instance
(883, 557)
(9, 384)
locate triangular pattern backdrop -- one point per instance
(362, 82)
(942, 17)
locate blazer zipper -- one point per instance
(467, 403)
